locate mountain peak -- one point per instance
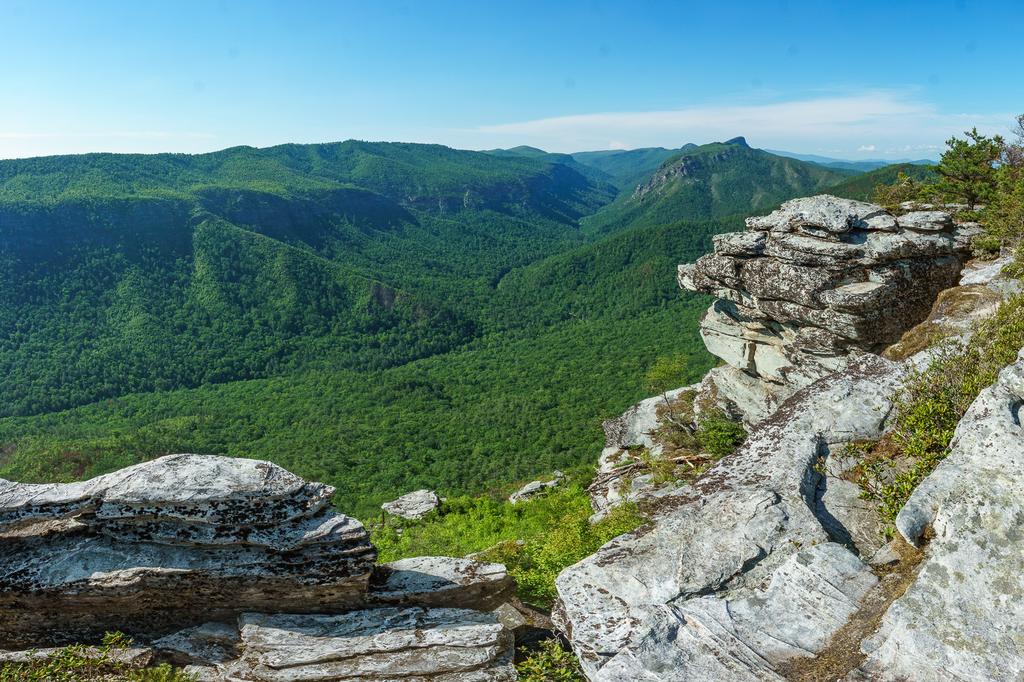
(740, 141)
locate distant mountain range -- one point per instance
(844, 164)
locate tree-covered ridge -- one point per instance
(506, 408)
(417, 174)
(381, 317)
(129, 273)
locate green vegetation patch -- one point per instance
(931, 405)
(535, 539)
(79, 663)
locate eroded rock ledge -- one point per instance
(770, 566)
(813, 283)
(242, 571)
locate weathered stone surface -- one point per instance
(926, 221)
(824, 215)
(961, 619)
(414, 505)
(207, 644)
(534, 488)
(435, 645)
(818, 281)
(170, 543)
(808, 598)
(730, 533)
(634, 429)
(441, 581)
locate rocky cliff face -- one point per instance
(770, 566)
(244, 572)
(814, 283)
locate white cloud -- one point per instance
(893, 119)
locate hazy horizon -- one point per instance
(827, 79)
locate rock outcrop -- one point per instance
(813, 283)
(239, 570)
(173, 542)
(730, 577)
(771, 566)
(414, 505)
(961, 618)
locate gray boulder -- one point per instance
(170, 543)
(534, 488)
(414, 505)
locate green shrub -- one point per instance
(550, 663)
(931, 405)
(719, 436)
(535, 539)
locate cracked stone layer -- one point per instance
(428, 645)
(729, 533)
(171, 543)
(441, 581)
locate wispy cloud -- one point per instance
(878, 121)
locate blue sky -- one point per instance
(858, 79)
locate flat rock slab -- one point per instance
(961, 619)
(435, 645)
(441, 581)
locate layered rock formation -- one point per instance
(241, 571)
(770, 566)
(168, 543)
(813, 283)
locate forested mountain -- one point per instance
(711, 182)
(136, 273)
(629, 167)
(379, 316)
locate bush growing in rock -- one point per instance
(79, 663)
(550, 663)
(930, 407)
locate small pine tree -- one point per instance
(967, 169)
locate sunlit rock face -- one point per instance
(169, 543)
(813, 283)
